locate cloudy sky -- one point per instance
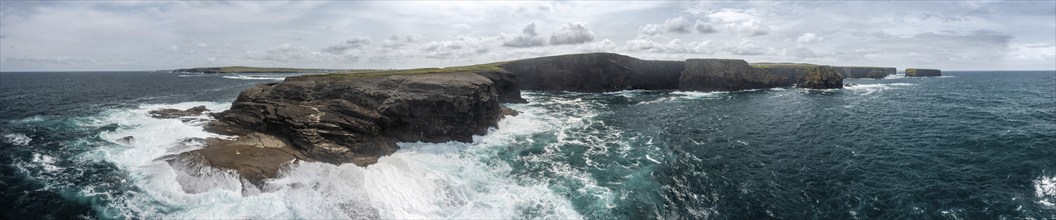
(127, 35)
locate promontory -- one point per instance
(357, 117)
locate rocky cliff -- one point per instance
(594, 72)
(357, 119)
(728, 75)
(820, 77)
(916, 72)
(850, 72)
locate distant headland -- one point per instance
(246, 69)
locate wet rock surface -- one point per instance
(167, 113)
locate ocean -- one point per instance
(967, 145)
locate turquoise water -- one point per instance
(968, 145)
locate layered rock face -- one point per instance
(916, 72)
(820, 77)
(358, 119)
(728, 75)
(594, 72)
(850, 72)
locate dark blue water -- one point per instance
(971, 145)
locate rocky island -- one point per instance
(357, 117)
(915, 72)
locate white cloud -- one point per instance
(527, 38)
(746, 48)
(399, 41)
(572, 33)
(461, 46)
(678, 25)
(673, 46)
(86, 35)
(749, 28)
(808, 37)
(704, 28)
(605, 45)
(347, 46)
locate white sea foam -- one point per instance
(422, 180)
(46, 162)
(256, 77)
(688, 95)
(1045, 190)
(17, 139)
(866, 89)
(895, 76)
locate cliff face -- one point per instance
(820, 77)
(849, 72)
(915, 72)
(358, 119)
(728, 75)
(595, 72)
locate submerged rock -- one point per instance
(915, 72)
(127, 140)
(166, 113)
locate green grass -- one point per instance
(782, 65)
(371, 73)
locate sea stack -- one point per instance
(916, 72)
(820, 77)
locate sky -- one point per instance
(158, 35)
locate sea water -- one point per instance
(967, 145)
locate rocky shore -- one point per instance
(359, 117)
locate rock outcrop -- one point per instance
(727, 75)
(916, 72)
(358, 119)
(505, 85)
(176, 113)
(594, 72)
(127, 140)
(851, 72)
(255, 156)
(820, 77)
